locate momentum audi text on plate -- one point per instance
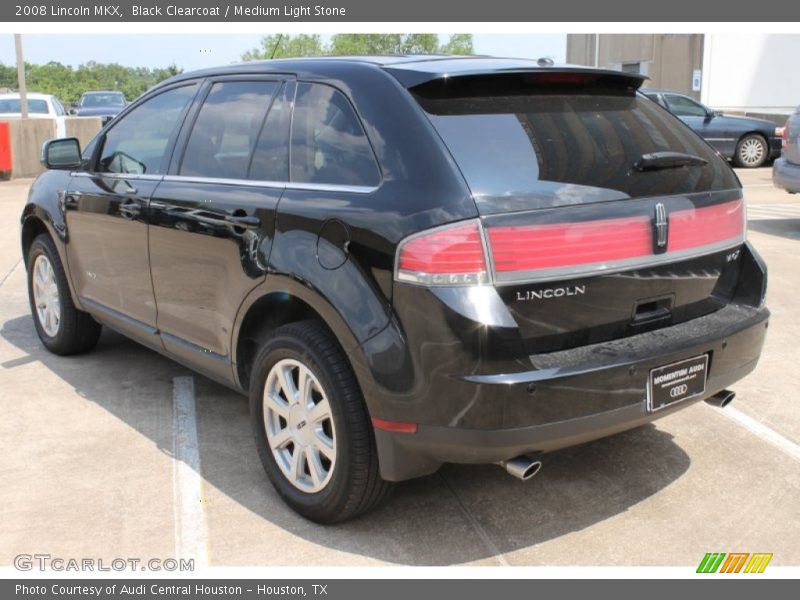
(405, 261)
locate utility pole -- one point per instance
(23, 93)
(596, 50)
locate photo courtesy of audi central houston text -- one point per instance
(406, 261)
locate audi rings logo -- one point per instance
(679, 390)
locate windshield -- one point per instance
(11, 105)
(522, 144)
(111, 99)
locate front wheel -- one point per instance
(61, 327)
(312, 431)
(751, 151)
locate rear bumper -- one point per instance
(786, 175)
(591, 379)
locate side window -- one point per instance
(329, 145)
(685, 107)
(138, 142)
(225, 131)
(271, 155)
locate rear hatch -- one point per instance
(602, 214)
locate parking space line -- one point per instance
(762, 431)
(7, 275)
(190, 523)
(476, 526)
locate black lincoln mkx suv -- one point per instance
(405, 261)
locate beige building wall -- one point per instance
(669, 60)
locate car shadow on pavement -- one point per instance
(461, 514)
(787, 228)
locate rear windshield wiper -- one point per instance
(668, 160)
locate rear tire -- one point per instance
(62, 328)
(752, 151)
(319, 450)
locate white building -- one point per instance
(755, 74)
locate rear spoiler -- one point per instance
(431, 78)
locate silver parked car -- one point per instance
(786, 170)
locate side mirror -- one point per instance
(73, 112)
(63, 154)
(711, 113)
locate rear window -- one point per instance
(513, 144)
(12, 105)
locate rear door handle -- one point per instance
(130, 209)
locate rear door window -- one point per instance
(521, 143)
(270, 160)
(329, 145)
(226, 129)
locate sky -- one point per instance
(192, 51)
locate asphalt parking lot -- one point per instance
(94, 464)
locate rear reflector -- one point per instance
(452, 255)
(394, 426)
(526, 248)
(705, 226)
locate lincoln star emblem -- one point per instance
(661, 226)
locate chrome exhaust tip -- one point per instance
(522, 467)
(721, 399)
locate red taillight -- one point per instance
(452, 255)
(706, 226)
(394, 426)
(526, 248)
(455, 255)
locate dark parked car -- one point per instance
(405, 261)
(748, 142)
(786, 170)
(105, 105)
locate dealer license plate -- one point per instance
(677, 381)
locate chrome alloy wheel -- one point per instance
(752, 151)
(299, 425)
(45, 295)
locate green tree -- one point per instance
(68, 83)
(348, 44)
(460, 43)
(286, 46)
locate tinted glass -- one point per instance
(89, 100)
(271, 156)
(329, 145)
(508, 145)
(11, 105)
(225, 132)
(685, 107)
(138, 141)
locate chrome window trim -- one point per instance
(321, 187)
(140, 176)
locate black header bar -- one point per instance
(453, 11)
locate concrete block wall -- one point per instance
(28, 135)
(83, 128)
